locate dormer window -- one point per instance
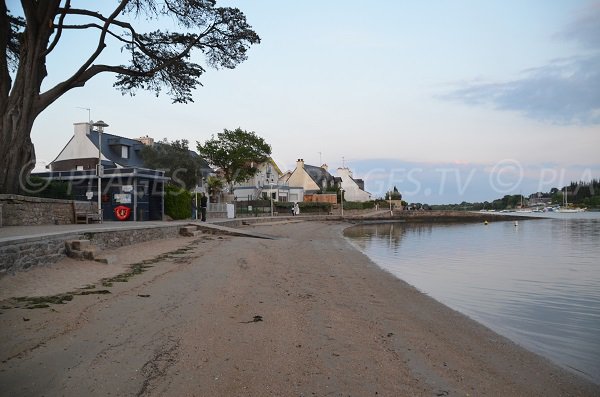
(125, 152)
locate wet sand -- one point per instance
(303, 315)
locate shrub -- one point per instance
(358, 205)
(178, 202)
(40, 187)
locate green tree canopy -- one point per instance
(31, 31)
(236, 153)
(396, 195)
(184, 167)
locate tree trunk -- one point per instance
(20, 107)
(17, 155)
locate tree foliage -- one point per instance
(396, 195)
(156, 60)
(184, 167)
(236, 153)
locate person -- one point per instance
(296, 209)
(293, 209)
(203, 205)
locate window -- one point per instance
(79, 167)
(125, 152)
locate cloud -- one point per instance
(439, 183)
(585, 29)
(565, 91)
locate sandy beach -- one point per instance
(304, 314)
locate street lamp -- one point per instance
(271, 194)
(99, 170)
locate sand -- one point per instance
(302, 315)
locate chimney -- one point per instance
(300, 163)
(81, 129)
(324, 166)
(146, 140)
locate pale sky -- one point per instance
(447, 100)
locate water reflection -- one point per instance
(537, 283)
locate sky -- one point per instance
(449, 101)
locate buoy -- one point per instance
(485, 222)
(516, 223)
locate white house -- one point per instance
(354, 189)
(267, 182)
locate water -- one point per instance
(537, 283)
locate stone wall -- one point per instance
(120, 238)
(29, 253)
(24, 254)
(27, 211)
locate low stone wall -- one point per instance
(31, 252)
(120, 238)
(28, 211)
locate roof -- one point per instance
(111, 149)
(319, 175)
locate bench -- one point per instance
(85, 212)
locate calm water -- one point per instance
(537, 283)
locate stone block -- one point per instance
(188, 231)
(80, 245)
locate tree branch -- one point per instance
(54, 93)
(59, 29)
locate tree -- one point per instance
(235, 153)
(395, 194)
(184, 167)
(153, 61)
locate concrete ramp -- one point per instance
(211, 228)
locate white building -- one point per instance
(354, 189)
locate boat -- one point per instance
(565, 209)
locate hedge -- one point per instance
(359, 205)
(40, 187)
(178, 202)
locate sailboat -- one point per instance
(565, 208)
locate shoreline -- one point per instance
(331, 321)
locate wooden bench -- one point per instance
(85, 212)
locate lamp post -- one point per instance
(99, 170)
(271, 194)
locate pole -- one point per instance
(100, 126)
(391, 212)
(196, 202)
(271, 194)
(342, 200)
(99, 172)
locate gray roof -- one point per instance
(320, 175)
(111, 149)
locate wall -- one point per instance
(32, 252)
(27, 211)
(321, 198)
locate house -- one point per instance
(123, 180)
(311, 178)
(81, 152)
(268, 182)
(354, 189)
